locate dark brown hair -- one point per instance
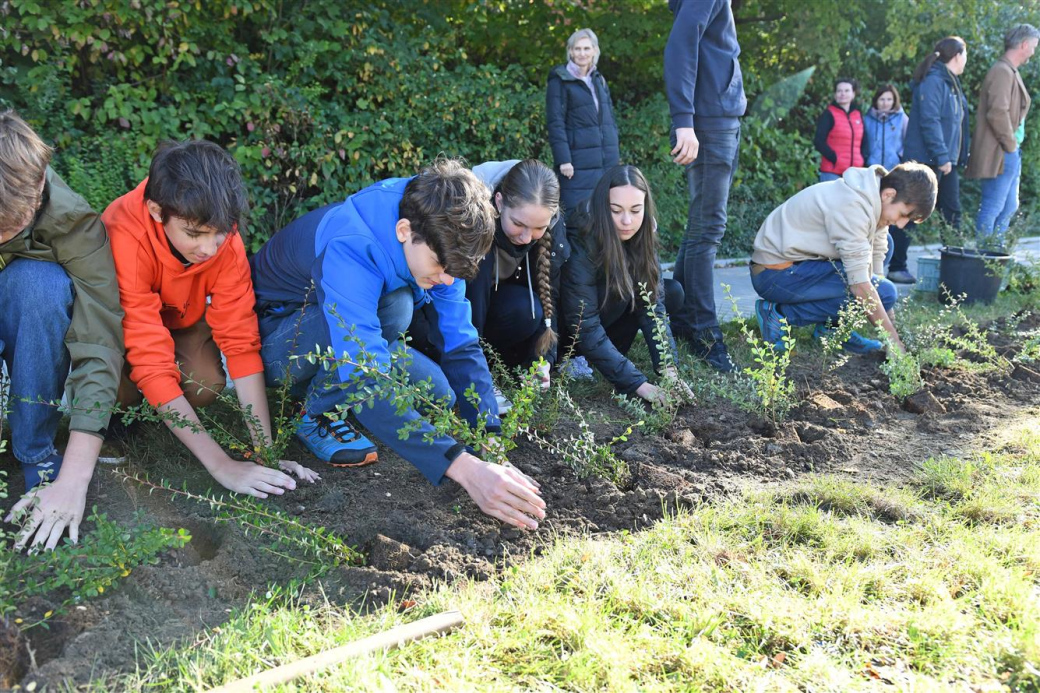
(24, 158)
(896, 104)
(916, 185)
(850, 81)
(533, 183)
(198, 181)
(945, 50)
(625, 264)
(449, 210)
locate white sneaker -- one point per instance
(504, 405)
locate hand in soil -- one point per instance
(305, 473)
(251, 479)
(51, 508)
(651, 393)
(499, 490)
(673, 374)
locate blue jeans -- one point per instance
(708, 178)
(814, 291)
(999, 201)
(826, 177)
(283, 335)
(36, 299)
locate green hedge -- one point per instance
(318, 99)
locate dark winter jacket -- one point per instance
(481, 289)
(579, 133)
(841, 139)
(886, 132)
(938, 129)
(586, 317)
(701, 72)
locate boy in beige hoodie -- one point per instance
(827, 245)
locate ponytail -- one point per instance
(945, 50)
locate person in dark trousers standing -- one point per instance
(706, 99)
(580, 118)
(841, 138)
(937, 134)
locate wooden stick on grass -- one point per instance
(437, 624)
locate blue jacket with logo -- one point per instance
(349, 253)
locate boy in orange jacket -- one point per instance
(176, 244)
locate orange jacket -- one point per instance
(160, 294)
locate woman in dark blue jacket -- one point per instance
(937, 134)
(580, 118)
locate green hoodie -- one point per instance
(67, 231)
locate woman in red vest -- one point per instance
(841, 138)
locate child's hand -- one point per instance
(249, 478)
(299, 470)
(543, 375)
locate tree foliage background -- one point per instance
(317, 98)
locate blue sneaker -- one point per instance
(42, 472)
(769, 323)
(856, 343)
(336, 442)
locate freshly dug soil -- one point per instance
(413, 534)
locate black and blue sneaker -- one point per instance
(769, 322)
(336, 442)
(855, 344)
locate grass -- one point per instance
(826, 586)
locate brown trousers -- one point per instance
(197, 356)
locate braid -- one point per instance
(547, 340)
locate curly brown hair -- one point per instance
(450, 211)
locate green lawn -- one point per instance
(827, 585)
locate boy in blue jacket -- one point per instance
(354, 272)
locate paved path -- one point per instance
(735, 274)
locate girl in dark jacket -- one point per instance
(840, 137)
(580, 119)
(614, 254)
(514, 294)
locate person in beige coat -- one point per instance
(996, 155)
(826, 246)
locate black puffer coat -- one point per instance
(586, 316)
(579, 133)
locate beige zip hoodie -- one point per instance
(836, 220)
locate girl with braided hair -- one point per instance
(614, 260)
(515, 293)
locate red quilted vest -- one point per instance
(846, 139)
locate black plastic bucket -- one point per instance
(970, 274)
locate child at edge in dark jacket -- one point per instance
(348, 277)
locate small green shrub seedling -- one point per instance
(774, 391)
